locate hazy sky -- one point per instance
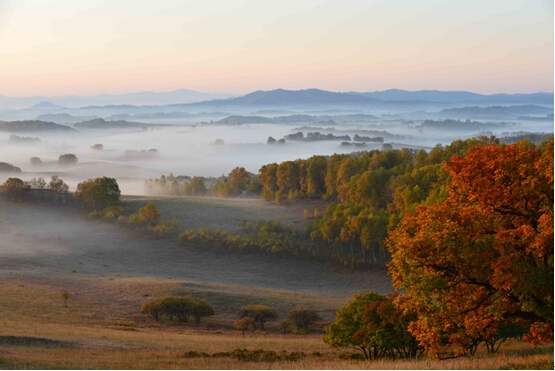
(59, 47)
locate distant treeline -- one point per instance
(467, 125)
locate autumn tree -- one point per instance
(149, 214)
(65, 296)
(245, 324)
(259, 313)
(484, 257)
(98, 193)
(13, 188)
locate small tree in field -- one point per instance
(149, 214)
(259, 313)
(244, 324)
(200, 308)
(303, 318)
(65, 296)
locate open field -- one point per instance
(110, 272)
(228, 213)
(101, 328)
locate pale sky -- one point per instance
(62, 47)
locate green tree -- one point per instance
(303, 318)
(349, 321)
(99, 193)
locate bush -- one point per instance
(165, 229)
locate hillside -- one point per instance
(33, 126)
(100, 123)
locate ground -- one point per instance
(110, 272)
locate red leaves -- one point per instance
(485, 256)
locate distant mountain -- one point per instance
(458, 96)
(32, 126)
(149, 116)
(63, 118)
(138, 99)
(281, 97)
(291, 119)
(46, 106)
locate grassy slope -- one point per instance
(110, 272)
(227, 214)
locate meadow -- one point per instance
(110, 272)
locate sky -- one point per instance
(68, 47)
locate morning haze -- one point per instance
(297, 185)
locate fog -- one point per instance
(186, 147)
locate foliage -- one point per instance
(180, 308)
(165, 229)
(484, 257)
(57, 187)
(245, 324)
(13, 188)
(260, 314)
(303, 318)
(149, 214)
(67, 159)
(349, 321)
(97, 194)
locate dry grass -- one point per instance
(102, 330)
(227, 214)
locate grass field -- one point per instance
(228, 213)
(110, 273)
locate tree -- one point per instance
(13, 188)
(349, 321)
(484, 257)
(149, 214)
(239, 176)
(154, 308)
(98, 193)
(259, 313)
(385, 331)
(35, 161)
(67, 159)
(65, 296)
(303, 318)
(200, 309)
(37, 184)
(279, 197)
(57, 187)
(245, 324)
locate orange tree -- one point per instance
(484, 257)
